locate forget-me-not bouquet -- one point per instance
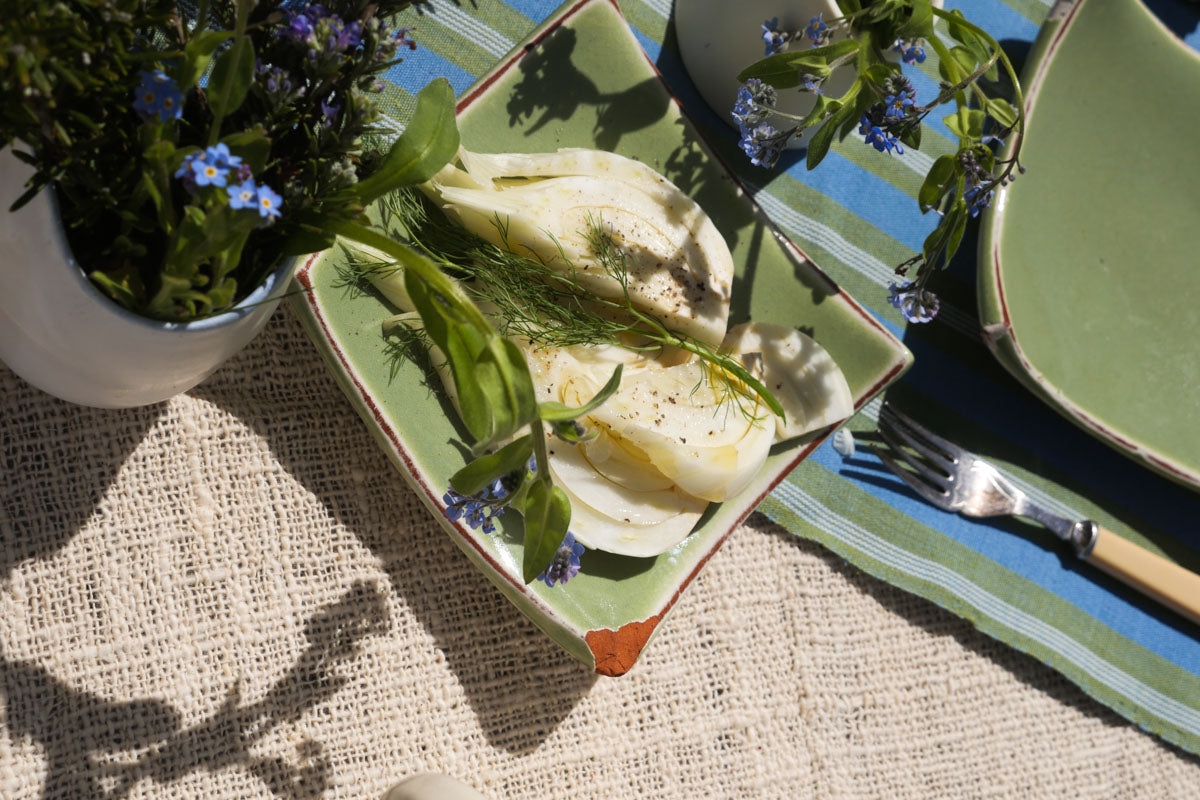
(192, 145)
(877, 40)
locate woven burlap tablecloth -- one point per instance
(234, 594)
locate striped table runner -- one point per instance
(857, 217)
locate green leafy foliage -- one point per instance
(480, 472)
(547, 513)
(882, 106)
(430, 141)
(495, 396)
(112, 101)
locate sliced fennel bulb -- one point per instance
(672, 438)
(680, 269)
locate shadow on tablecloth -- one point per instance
(500, 658)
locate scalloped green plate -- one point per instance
(582, 80)
(1089, 284)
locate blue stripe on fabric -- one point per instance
(1019, 417)
(1096, 665)
(1000, 21)
(533, 10)
(423, 65)
(868, 196)
(652, 47)
(840, 179)
(927, 89)
(1042, 560)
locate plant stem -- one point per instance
(997, 54)
(409, 259)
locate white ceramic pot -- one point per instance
(719, 38)
(59, 333)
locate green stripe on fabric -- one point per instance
(502, 18)
(646, 18)
(810, 203)
(1035, 11)
(438, 33)
(397, 105)
(918, 559)
(893, 169)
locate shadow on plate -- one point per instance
(552, 88)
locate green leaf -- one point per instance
(912, 137)
(547, 514)
(231, 77)
(221, 295)
(919, 24)
(150, 184)
(966, 123)
(119, 291)
(252, 146)
(483, 470)
(307, 240)
(572, 432)
(472, 403)
(473, 400)
(956, 222)
(839, 49)
(156, 183)
(782, 70)
(957, 32)
(934, 186)
(777, 70)
(965, 59)
(427, 144)
(487, 375)
(879, 73)
(934, 242)
(515, 371)
(1002, 111)
(196, 56)
(553, 411)
(818, 147)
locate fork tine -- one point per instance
(939, 498)
(941, 452)
(932, 476)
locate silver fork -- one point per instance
(952, 478)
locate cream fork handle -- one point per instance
(1153, 575)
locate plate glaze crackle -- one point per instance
(582, 80)
(1088, 279)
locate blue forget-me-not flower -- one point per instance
(910, 50)
(158, 96)
(818, 31)
(565, 564)
(915, 303)
(774, 40)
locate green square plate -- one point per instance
(582, 80)
(1088, 281)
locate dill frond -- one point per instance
(354, 273)
(548, 305)
(404, 344)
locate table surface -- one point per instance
(233, 594)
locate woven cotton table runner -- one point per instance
(857, 217)
(234, 595)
